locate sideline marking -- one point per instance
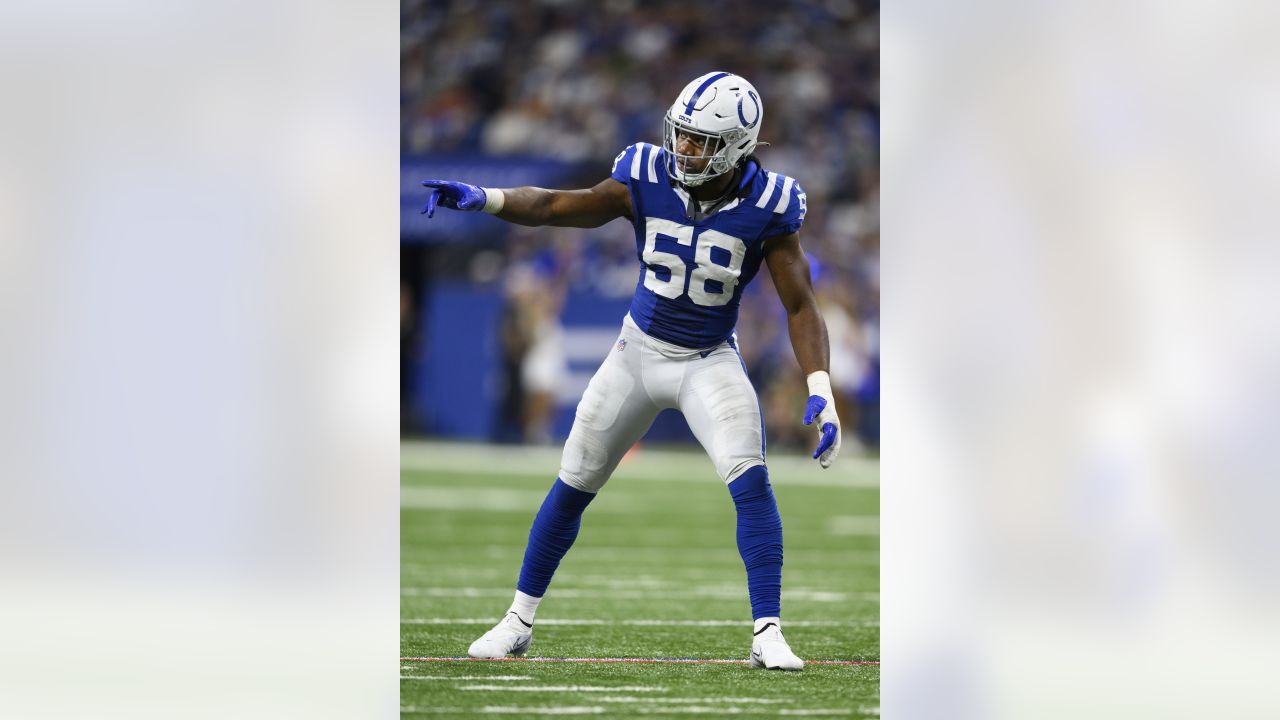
(691, 661)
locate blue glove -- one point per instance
(829, 439)
(453, 195)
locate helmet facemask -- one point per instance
(714, 148)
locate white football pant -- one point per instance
(643, 376)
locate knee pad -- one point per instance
(583, 463)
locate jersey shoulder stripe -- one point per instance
(637, 162)
(783, 196)
(782, 202)
(781, 207)
(765, 194)
(785, 200)
(640, 162)
(644, 164)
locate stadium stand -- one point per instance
(504, 324)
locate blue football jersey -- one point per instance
(692, 272)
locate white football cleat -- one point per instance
(511, 636)
(770, 650)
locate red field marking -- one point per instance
(692, 661)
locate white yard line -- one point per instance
(601, 594)
(632, 660)
(678, 577)
(860, 525)
(474, 498)
(693, 710)
(650, 464)
(565, 688)
(570, 710)
(646, 622)
(722, 710)
(505, 678)
(600, 710)
(689, 701)
(506, 710)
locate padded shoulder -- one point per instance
(786, 200)
(639, 163)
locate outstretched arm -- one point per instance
(569, 208)
(535, 206)
(789, 269)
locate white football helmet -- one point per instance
(720, 113)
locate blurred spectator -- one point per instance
(535, 367)
(578, 80)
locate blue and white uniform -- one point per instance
(677, 347)
(693, 272)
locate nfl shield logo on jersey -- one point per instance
(622, 343)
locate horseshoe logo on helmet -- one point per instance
(756, 101)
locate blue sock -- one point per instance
(759, 540)
(553, 532)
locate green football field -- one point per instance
(655, 574)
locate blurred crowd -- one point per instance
(578, 80)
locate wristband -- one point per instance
(820, 384)
(494, 200)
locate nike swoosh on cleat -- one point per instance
(522, 622)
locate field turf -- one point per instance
(654, 574)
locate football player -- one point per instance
(705, 213)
